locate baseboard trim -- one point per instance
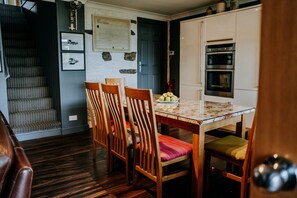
(38, 134)
(70, 130)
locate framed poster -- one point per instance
(73, 61)
(111, 34)
(72, 41)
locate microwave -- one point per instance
(221, 56)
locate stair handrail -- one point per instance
(2, 57)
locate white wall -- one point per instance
(96, 68)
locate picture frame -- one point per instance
(111, 34)
(73, 61)
(72, 41)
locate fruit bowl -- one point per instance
(168, 97)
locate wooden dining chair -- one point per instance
(235, 151)
(116, 81)
(99, 120)
(120, 143)
(154, 152)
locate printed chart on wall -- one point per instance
(111, 34)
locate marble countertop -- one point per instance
(200, 112)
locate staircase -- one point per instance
(30, 105)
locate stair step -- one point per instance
(25, 71)
(31, 117)
(10, 52)
(18, 27)
(30, 104)
(22, 61)
(17, 35)
(13, 18)
(37, 81)
(36, 127)
(9, 8)
(26, 93)
(28, 43)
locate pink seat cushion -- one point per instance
(171, 148)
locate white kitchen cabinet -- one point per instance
(246, 98)
(247, 52)
(220, 28)
(191, 37)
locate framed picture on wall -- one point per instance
(72, 41)
(73, 61)
(111, 34)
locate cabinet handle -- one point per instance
(217, 40)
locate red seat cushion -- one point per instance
(112, 125)
(171, 148)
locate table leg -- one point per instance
(198, 163)
(240, 127)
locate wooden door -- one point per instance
(152, 55)
(277, 102)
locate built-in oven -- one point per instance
(219, 70)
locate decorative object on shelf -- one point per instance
(74, 6)
(234, 4)
(221, 6)
(209, 11)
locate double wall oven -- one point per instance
(219, 70)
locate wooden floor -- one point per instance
(63, 167)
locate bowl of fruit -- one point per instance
(168, 97)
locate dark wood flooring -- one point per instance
(63, 167)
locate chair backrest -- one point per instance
(116, 81)
(97, 112)
(141, 111)
(119, 138)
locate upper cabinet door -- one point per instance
(191, 36)
(247, 49)
(220, 28)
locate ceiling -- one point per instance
(165, 7)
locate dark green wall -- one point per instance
(72, 92)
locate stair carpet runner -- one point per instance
(30, 106)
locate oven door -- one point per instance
(219, 82)
(220, 60)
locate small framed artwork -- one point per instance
(72, 41)
(73, 61)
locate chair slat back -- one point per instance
(116, 81)
(140, 110)
(119, 138)
(97, 112)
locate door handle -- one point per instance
(140, 66)
(276, 174)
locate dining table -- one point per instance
(198, 117)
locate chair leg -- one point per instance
(159, 188)
(243, 190)
(127, 171)
(94, 151)
(207, 172)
